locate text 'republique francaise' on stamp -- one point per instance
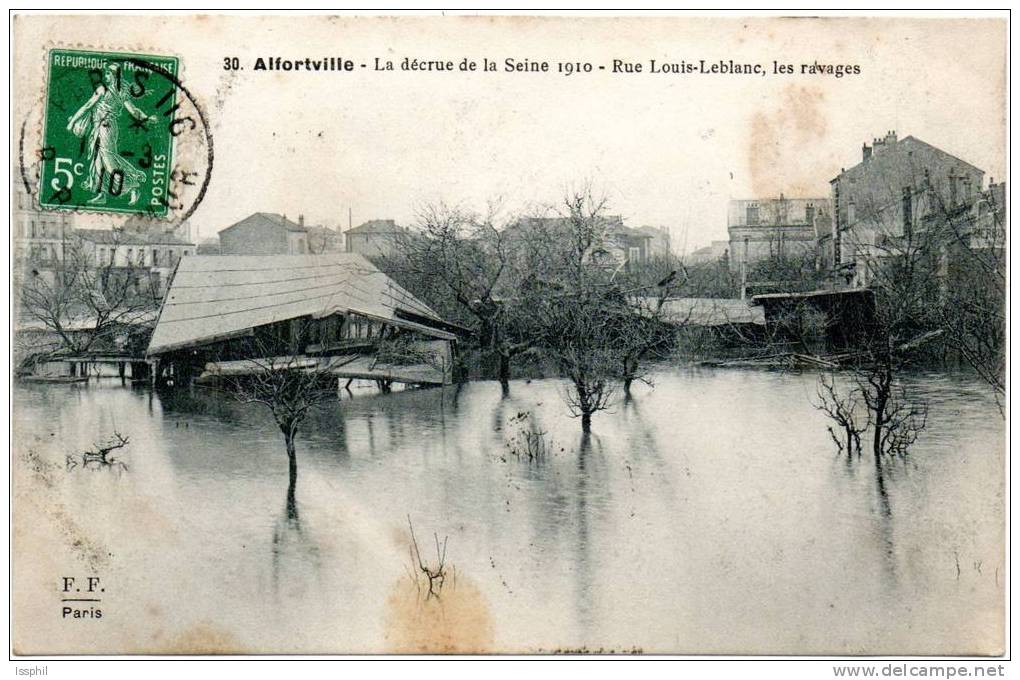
(120, 134)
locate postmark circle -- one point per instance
(123, 138)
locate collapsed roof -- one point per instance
(215, 297)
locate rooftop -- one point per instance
(376, 227)
(130, 238)
(711, 312)
(272, 219)
(889, 147)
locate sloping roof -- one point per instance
(218, 296)
(376, 227)
(132, 238)
(266, 218)
(898, 153)
(712, 312)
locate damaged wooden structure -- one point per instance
(838, 320)
(335, 314)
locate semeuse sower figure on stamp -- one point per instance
(96, 122)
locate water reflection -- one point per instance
(295, 555)
(705, 515)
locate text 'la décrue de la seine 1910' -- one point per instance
(565, 68)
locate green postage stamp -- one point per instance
(108, 134)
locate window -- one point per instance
(809, 214)
(130, 256)
(102, 254)
(752, 214)
(155, 257)
(634, 254)
(186, 253)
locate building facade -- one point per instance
(37, 236)
(375, 238)
(899, 191)
(151, 256)
(773, 229)
(659, 244)
(713, 252)
(265, 234)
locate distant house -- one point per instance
(373, 238)
(208, 246)
(772, 229)
(265, 234)
(37, 237)
(710, 253)
(899, 189)
(659, 243)
(154, 252)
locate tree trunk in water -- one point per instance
(630, 367)
(288, 435)
(585, 422)
(504, 369)
(879, 429)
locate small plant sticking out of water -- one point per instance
(434, 576)
(895, 417)
(100, 458)
(528, 442)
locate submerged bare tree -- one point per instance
(973, 307)
(85, 302)
(455, 253)
(843, 409)
(595, 323)
(897, 418)
(649, 332)
(289, 386)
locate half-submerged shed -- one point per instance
(335, 313)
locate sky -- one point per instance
(666, 149)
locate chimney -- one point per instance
(890, 137)
(866, 151)
(301, 220)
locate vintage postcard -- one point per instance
(509, 335)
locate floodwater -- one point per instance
(709, 514)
